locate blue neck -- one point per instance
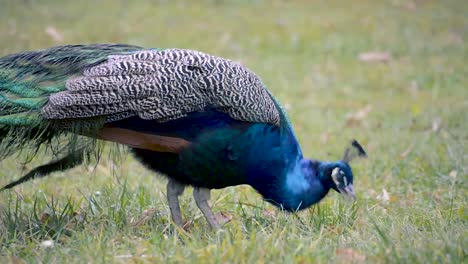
(302, 185)
(296, 188)
(275, 167)
(281, 174)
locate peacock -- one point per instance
(200, 120)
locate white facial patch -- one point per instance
(334, 176)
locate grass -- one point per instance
(414, 127)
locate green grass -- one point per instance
(306, 52)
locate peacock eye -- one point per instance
(342, 178)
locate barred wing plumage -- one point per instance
(163, 85)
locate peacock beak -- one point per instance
(348, 193)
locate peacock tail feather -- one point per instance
(26, 82)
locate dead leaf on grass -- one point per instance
(375, 56)
(223, 218)
(144, 218)
(53, 33)
(453, 174)
(349, 255)
(16, 260)
(357, 118)
(436, 125)
(405, 153)
(324, 138)
(384, 197)
(269, 212)
(187, 225)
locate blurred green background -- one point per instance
(391, 74)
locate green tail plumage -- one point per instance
(26, 81)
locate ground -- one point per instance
(391, 74)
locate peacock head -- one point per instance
(339, 175)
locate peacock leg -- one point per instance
(174, 190)
(202, 195)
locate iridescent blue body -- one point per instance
(228, 152)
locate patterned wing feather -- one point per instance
(163, 85)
